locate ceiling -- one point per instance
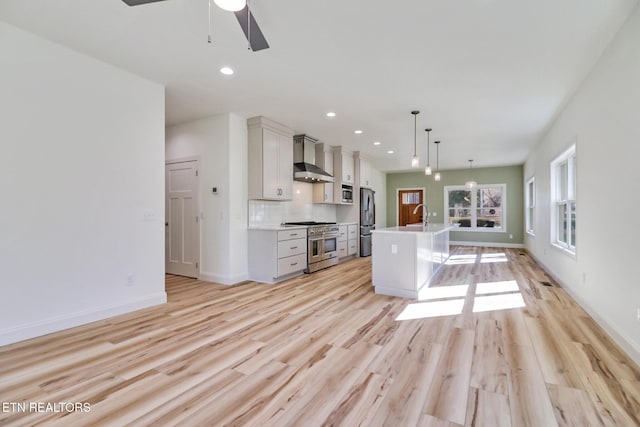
(489, 76)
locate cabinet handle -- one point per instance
(293, 234)
(293, 247)
(295, 263)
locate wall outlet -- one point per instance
(434, 213)
(638, 314)
(394, 249)
(584, 278)
(511, 236)
(131, 280)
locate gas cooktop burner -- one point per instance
(308, 223)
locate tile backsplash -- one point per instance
(301, 208)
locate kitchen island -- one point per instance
(405, 259)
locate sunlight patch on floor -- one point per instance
(461, 259)
(497, 287)
(423, 310)
(441, 292)
(498, 302)
(499, 257)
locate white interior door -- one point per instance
(182, 237)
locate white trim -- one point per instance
(487, 244)
(626, 343)
(424, 199)
(530, 194)
(474, 209)
(79, 318)
(223, 280)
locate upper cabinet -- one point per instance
(348, 169)
(365, 174)
(343, 172)
(270, 160)
(323, 193)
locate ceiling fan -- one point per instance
(244, 16)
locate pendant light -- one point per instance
(231, 5)
(427, 169)
(471, 183)
(437, 176)
(415, 161)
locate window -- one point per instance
(480, 209)
(563, 200)
(530, 194)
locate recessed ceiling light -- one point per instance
(357, 131)
(377, 143)
(390, 152)
(227, 71)
(331, 114)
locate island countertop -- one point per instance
(406, 259)
(417, 228)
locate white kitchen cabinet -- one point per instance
(365, 174)
(347, 239)
(270, 160)
(352, 239)
(343, 230)
(275, 255)
(323, 193)
(343, 168)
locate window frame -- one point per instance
(564, 199)
(474, 207)
(530, 204)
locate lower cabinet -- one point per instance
(275, 255)
(347, 240)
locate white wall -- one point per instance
(83, 188)
(220, 142)
(380, 187)
(603, 119)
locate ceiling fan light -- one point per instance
(231, 5)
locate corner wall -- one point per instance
(220, 142)
(83, 177)
(602, 118)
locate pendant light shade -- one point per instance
(437, 176)
(415, 161)
(471, 183)
(427, 169)
(231, 5)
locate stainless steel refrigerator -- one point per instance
(367, 220)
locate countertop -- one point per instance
(278, 227)
(431, 228)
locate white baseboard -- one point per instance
(223, 280)
(489, 244)
(54, 324)
(626, 343)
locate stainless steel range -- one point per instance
(322, 244)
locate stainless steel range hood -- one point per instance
(304, 161)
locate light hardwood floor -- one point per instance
(488, 346)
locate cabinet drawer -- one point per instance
(292, 264)
(298, 233)
(342, 233)
(352, 247)
(342, 249)
(288, 248)
(352, 231)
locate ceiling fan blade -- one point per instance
(139, 2)
(257, 40)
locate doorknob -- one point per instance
(166, 224)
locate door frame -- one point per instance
(198, 204)
(424, 198)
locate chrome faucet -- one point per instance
(425, 213)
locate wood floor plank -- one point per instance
(325, 350)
